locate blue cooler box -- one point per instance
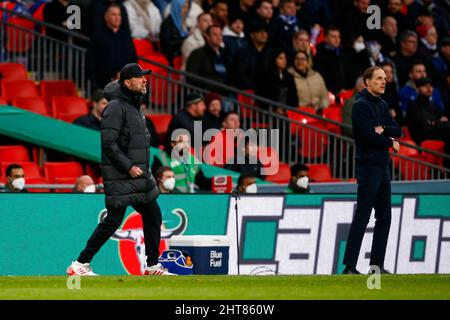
(209, 254)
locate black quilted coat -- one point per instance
(125, 142)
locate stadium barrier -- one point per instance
(278, 234)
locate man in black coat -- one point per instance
(373, 131)
(127, 176)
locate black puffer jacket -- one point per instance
(125, 142)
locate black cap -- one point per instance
(422, 82)
(194, 97)
(257, 26)
(132, 70)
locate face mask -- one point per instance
(359, 46)
(251, 188)
(18, 183)
(169, 184)
(90, 189)
(303, 182)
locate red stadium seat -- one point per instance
(320, 173)
(13, 71)
(18, 40)
(3, 101)
(18, 88)
(313, 143)
(161, 122)
(32, 181)
(282, 176)
(435, 145)
(406, 151)
(143, 47)
(296, 128)
(32, 104)
(333, 113)
(50, 89)
(59, 170)
(345, 95)
(14, 153)
(69, 108)
(405, 133)
(244, 102)
(31, 169)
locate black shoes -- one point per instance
(351, 270)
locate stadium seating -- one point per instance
(31, 169)
(3, 101)
(333, 113)
(32, 104)
(345, 95)
(143, 47)
(18, 88)
(13, 71)
(68, 108)
(65, 180)
(17, 40)
(50, 89)
(57, 170)
(313, 143)
(14, 153)
(161, 122)
(282, 176)
(320, 173)
(244, 101)
(436, 145)
(406, 151)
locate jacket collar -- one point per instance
(369, 96)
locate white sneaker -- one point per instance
(81, 269)
(157, 270)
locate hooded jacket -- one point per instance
(369, 112)
(125, 142)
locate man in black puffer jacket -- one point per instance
(127, 177)
(373, 131)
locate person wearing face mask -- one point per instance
(84, 184)
(16, 179)
(299, 182)
(246, 184)
(165, 178)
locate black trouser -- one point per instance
(374, 191)
(151, 218)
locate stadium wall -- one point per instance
(40, 234)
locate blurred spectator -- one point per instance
(15, 177)
(348, 107)
(388, 37)
(191, 18)
(197, 38)
(311, 89)
(299, 182)
(332, 63)
(194, 111)
(55, 13)
(110, 49)
(441, 65)
(391, 93)
(318, 11)
(241, 8)
(165, 178)
(285, 25)
(219, 12)
(301, 42)
(407, 55)
(213, 115)
(263, 14)
(408, 92)
(251, 64)
(174, 29)
(394, 9)
(440, 14)
(246, 184)
(425, 120)
(234, 37)
(209, 61)
(279, 83)
(161, 5)
(92, 119)
(246, 160)
(428, 41)
(355, 22)
(84, 184)
(96, 14)
(144, 18)
(230, 120)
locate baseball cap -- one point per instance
(132, 70)
(194, 97)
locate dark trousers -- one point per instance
(374, 191)
(151, 218)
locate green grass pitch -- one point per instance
(227, 287)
